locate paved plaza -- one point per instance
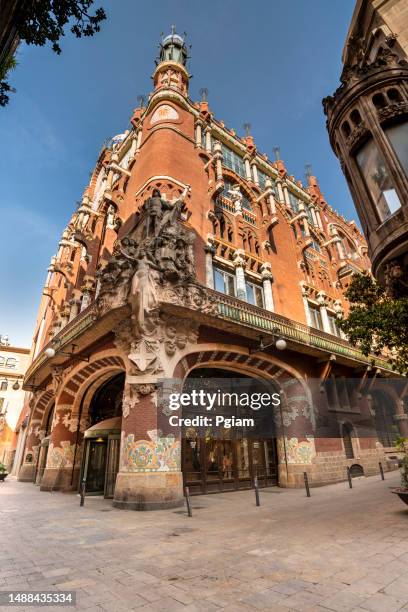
(339, 550)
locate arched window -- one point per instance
(346, 129)
(379, 101)
(347, 431)
(394, 95)
(355, 117)
(11, 362)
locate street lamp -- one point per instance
(279, 343)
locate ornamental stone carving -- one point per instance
(157, 252)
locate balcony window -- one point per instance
(379, 183)
(233, 161)
(254, 294)
(224, 282)
(261, 179)
(398, 136)
(315, 317)
(294, 202)
(228, 185)
(334, 328)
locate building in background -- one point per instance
(367, 120)
(13, 365)
(194, 256)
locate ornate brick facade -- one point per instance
(189, 245)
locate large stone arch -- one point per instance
(297, 415)
(73, 396)
(40, 403)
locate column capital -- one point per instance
(266, 271)
(239, 259)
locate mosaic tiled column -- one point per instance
(149, 475)
(63, 459)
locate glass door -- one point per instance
(95, 465)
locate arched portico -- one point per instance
(41, 402)
(71, 418)
(150, 472)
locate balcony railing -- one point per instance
(232, 309)
(238, 311)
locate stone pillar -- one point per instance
(285, 194)
(267, 279)
(218, 161)
(247, 169)
(239, 264)
(208, 140)
(149, 476)
(321, 298)
(198, 134)
(305, 294)
(271, 200)
(280, 191)
(209, 273)
(255, 173)
(63, 460)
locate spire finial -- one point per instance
(203, 93)
(247, 128)
(277, 153)
(308, 170)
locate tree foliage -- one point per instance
(377, 321)
(42, 21)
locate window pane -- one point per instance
(259, 297)
(229, 284)
(219, 281)
(250, 294)
(377, 179)
(398, 135)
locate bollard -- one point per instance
(349, 478)
(188, 501)
(256, 485)
(381, 471)
(306, 484)
(82, 492)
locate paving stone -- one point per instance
(343, 600)
(380, 602)
(334, 551)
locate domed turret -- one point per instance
(171, 71)
(173, 49)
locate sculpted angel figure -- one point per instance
(143, 295)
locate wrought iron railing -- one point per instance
(246, 314)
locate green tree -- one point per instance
(377, 321)
(41, 21)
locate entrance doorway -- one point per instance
(100, 463)
(231, 459)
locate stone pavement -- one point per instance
(339, 550)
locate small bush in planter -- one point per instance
(402, 491)
(3, 471)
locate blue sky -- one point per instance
(266, 62)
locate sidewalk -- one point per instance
(339, 550)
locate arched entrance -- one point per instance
(100, 463)
(228, 459)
